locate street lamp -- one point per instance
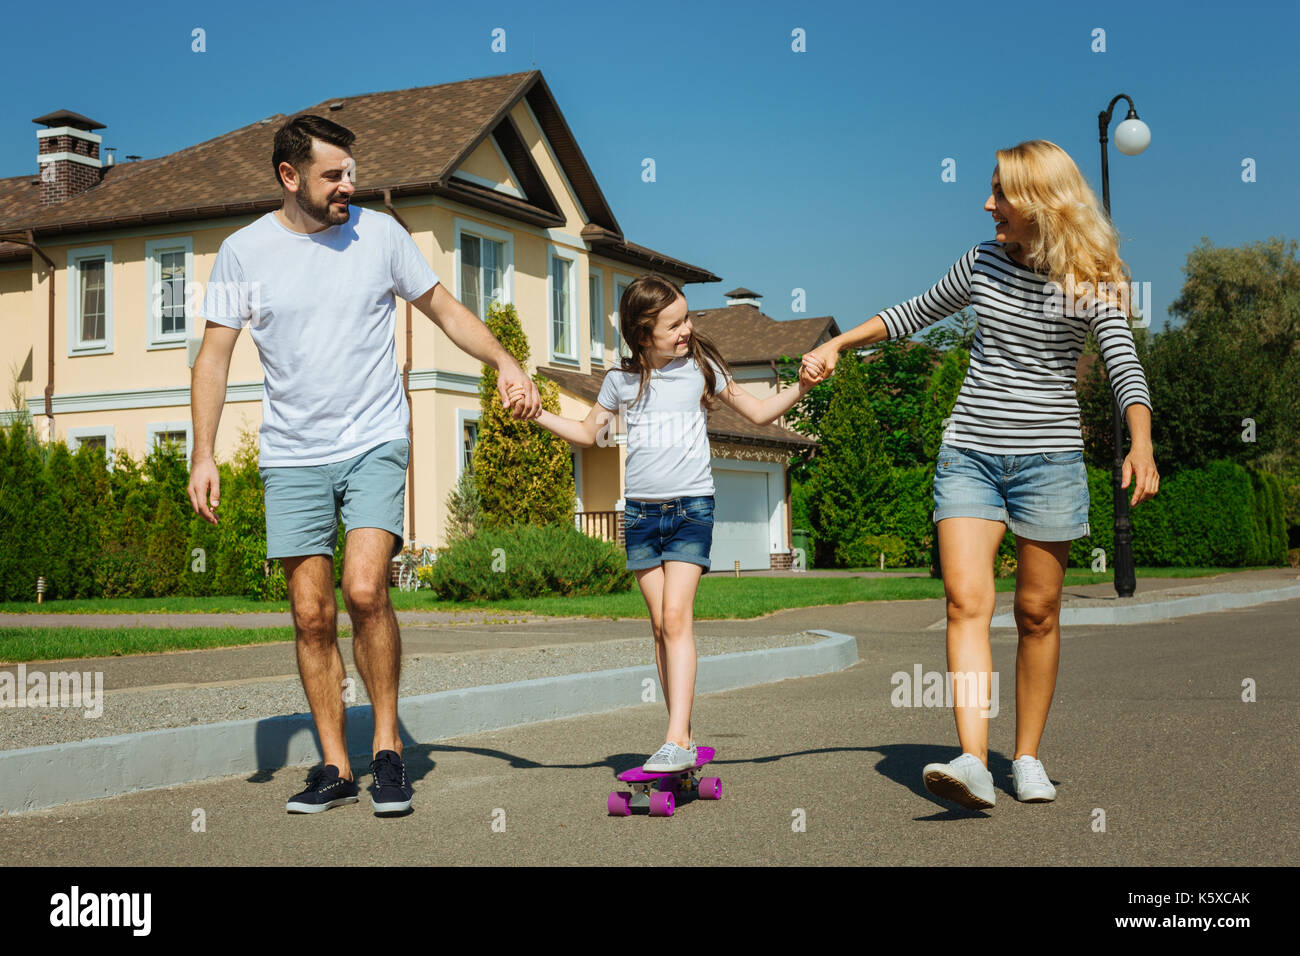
(1131, 137)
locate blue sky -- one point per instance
(775, 170)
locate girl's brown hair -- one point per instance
(638, 311)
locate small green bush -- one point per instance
(866, 552)
(523, 561)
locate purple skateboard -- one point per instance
(662, 803)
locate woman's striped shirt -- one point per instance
(1018, 395)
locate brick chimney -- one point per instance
(743, 296)
(67, 154)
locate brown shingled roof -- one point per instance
(408, 141)
(745, 335)
(724, 423)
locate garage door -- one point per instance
(740, 521)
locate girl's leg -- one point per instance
(1040, 573)
(967, 547)
(651, 582)
(681, 581)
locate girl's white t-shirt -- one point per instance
(321, 311)
(667, 430)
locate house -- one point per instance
(103, 263)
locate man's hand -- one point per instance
(205, 482)
(1141, 466)
(518, 392)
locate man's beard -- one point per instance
(321, 212)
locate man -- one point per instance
(316, 280)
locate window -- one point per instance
(177, 433)
(90, 300)
(467, 430)
(596, 309)
(563, 306)
(98, 436)
(484, 266)
(169, 263)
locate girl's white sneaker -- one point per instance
(671, 757)
(1030, 779)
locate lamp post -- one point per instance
(1131, 137)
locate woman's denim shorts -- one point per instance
(1041, 496)
(680, 529)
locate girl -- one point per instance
(1013, 453)
(665, 388)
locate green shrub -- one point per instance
(1220, 515)
(523, 473)
(866, 552)
(524, 561)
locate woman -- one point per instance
(1012, 454)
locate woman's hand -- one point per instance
(1140, 467)
(819, 364)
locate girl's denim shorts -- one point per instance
(1042, 496)
(680, 529)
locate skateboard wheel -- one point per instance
(711, 788)
(661, 804)
(620, 804)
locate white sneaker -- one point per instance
(965, 780)
(670, 758)
(1032, 785)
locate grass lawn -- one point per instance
(720, 596)
(19, 644)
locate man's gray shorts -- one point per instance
(303, 502)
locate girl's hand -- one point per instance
(815, 368)
(1141, 466)
(515, 394)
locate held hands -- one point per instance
(519, 393)
(818, 365)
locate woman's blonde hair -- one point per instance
(1075, 242)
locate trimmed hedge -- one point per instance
(1223, 515)
(522, 561)
(129, 531)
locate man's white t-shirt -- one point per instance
(322, 314)
(667, 430)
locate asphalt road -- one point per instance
(1148, 726)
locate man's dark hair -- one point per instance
(293, 140)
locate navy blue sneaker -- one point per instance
(325, 790)
(392, 791)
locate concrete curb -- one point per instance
(39, 777)
(1149, 611)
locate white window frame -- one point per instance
(153, 249)
(106, 432)
(575, 330)
(482, 231)
(597, 349)
(620, 347)
(75, 344)
(463, 417)
(157, 428)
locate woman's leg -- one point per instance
(967, 547)
(1040, 573)
(681, 581)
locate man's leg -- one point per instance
(311, 597)
(376, 640)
